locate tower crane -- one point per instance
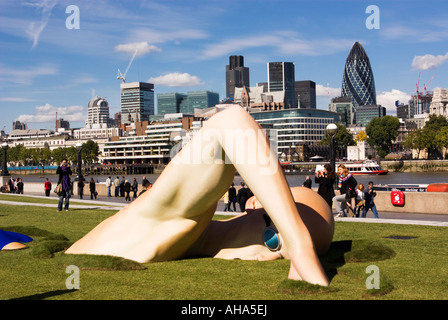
(426, 85)
(122, 76)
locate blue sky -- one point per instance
(184, 46)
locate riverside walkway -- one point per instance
(117, 203)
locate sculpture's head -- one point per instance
(315, 213)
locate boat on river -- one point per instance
(402, 187)
(369, 167)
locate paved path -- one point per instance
(116, 203)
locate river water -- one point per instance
(294, 180)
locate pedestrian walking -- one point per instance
(64, 173)
(117, 186)
(243, 195)
(226, 201)
(108, 185)
(135, 188)
(369, 196)
(232, 196)
(326, 179)
(92, 188)
(307, 183)
(47, 187)
(19, 186)
(81, 185)
(127, 190)
(122, 182)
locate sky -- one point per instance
(57, 55)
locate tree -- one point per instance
(342, 138)
(442, 140)
(90, 152)
(381, 132)
(361, 136)
(416, 140)
(431, 131)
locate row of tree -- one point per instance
(44, 156)
(433, 138)
(381, 133)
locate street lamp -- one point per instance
(5, 165)
(332, 129)
(79, 147)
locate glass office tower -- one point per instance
(237, 75)
(137, 102)
(358, 82)
(281, 77)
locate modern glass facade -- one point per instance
(170, 102)
(358, 82)
(200, 100)
(137, 102)
(281, 77)
(186, 103)
(296, 126)
(366, 113)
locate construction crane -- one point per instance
(122, 76)
(426, 85)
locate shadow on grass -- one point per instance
(45, 295)
(335, 257)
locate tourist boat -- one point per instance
(370, 167)
(402, 187)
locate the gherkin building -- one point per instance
(358, 82)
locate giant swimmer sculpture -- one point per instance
(173, 219)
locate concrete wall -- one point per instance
(414, 202)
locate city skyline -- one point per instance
(49, 63)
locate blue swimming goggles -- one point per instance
(271, 238)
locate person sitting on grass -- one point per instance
(172, 220)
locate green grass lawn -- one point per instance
(412, 268)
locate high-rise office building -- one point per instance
(199, 100)
(305, 94)
(237, 75)
(343, 106)
(176, 102)
(365, 113)
(137, 102)
(170, 102)
(97, 111)
(358, 82)
(281, 77)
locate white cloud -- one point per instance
(27, 75)
(35, 28)
(14, 99)
(140, 48)
(176, 79)
(47, 113)
(322, 91)
(428, 61)
(387, 99)
(285, 42)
